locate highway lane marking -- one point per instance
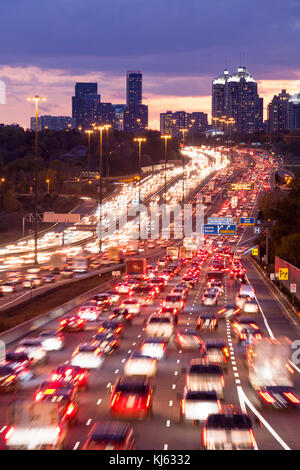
(173, 386)
(129, 351)
(166, 446)
(3, 429)
(108, 385)
(176, 372)
(171, 403)
(76, 445)
(236, 374)
(263, 315)
(237, 381)
(99, 401)
(88, 422)
(116, 371)
(168, 423)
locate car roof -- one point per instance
(110, 430)
(201, 395)
(229, 421)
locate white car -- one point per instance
(139, 364)
(210, 298)
(51, 340)
(250, 306)
(174, 301)
(198, 405)
(8, 287)
(205, 377)
(33, 348)
(132, 306)
(123, 288)
(154, 347)
(160, 326)
(87, 356)
(89, 311)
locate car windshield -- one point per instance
(159, 320)
(205, 369)
(132, 388)
(234, 421)
(203, 396)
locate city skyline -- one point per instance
(177, 74)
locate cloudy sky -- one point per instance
(179, 45)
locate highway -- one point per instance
(273, 429)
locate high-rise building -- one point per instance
(278, 112)
(197, 122)
(54, 123)
(85, 105)
(236, 106)
(134, 88)
(106, 114)
(166, 123)
(172, 123)
(294, 112)
(136, 118)
(119, 110)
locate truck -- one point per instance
(136, 267)
(132, 247)
(269, 372)
(113, 256)
(173, 251)
(35, 425)
(80, 264)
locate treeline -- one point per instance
(284, 238)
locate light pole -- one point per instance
(166, 137)
(183, 132)
(48, 185)
(139, 140)
(89, 132)
(107, 127)
(193, 122)
(36, 99)
(100, 129)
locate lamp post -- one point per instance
(107, 127)
(166, 137)
(183, 132)
(48, 185)
(36, 99)
(193, 122)
(139, 140)
(100, 129)
(89, 132)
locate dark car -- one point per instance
(9, 380)
(110, 435)
(64, 396)
(111, 326)
(132, 397)
(207, 322)
(72, 323)
(108, 341)
(72, 375)
(121, 315)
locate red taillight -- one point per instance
(243, 336)
(63, 322)
(267, 397)
(204, 437)
(100, 329)
(70, 409)
(148, 400)
(182, 406)
(222, 311)
(290, 396)
(252, 438)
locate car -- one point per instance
(154, 347)
(207, 321)
(228, 431)
(52, 340)
(89, 311)
(197, 405)
(174, 301)
(217, 352)
(162, 262)
(160, 326)
(159, 284)
(218, 285)
(131, 397)
(111, 326)
(210, 298)
(250, 305)
(8, 287)
(114, 296)
(190, 281)
(145, 294)
(72, 323)
(228, 311)
(73, 375)
(21, 361)
(139, 364)
(180, 292)
(87, 356)
(102, 300)
(205, 377)
(108, 342)
(132, 306)
(9, 380)
(110, 435)
(49, 279)
(239, 324)
(278, 396)
(248, 334)
(65, 396)
(169, 311)
(123, 288)
(189, 339)
(121, 315)
(32, 283)
(33, 347)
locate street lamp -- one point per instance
(89, 132)
(100, 129)
(183, 132)
(193, 122)
(107, 127)
(36, 99)
(48, 185)
(139, 140)
(166, 137)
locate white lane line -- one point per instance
(108, 385)
(3, 429)
(88, 422)
(165, 446)
(171, 403)
(263, 421)
(99, 401)
(168, 423)
(76, 445)
(173, 386)
(116, 371)
(237, 381)
(236, 374)
(176, 372)
(263, 315)
(123, 360)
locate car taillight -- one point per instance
(290, 396)
(221, 311)
(118, 329)
(182, 406)
(55, 377)
(222, 381)
(8, 433)
(100, 329)
(204, 437)
(252, 437)
(70, 409)
(148, 400)
(63, 322)
(38, 396)
(243, 336)
(267, 397)
(115, 397)
(9, 379)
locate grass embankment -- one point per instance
(14, 316)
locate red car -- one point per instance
(72, 375)
(72, 323)
(132, 397)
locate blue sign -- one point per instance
(225, 229)
(219, 220)
(247, 221)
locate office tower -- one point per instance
(278, 112)
(85, 105)
(134, 88)
(119, 110)
(236, 106)
(197, 122)
(54, 123)
(294, 112)
(166, 123)
(106, 114)
(136, 118)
